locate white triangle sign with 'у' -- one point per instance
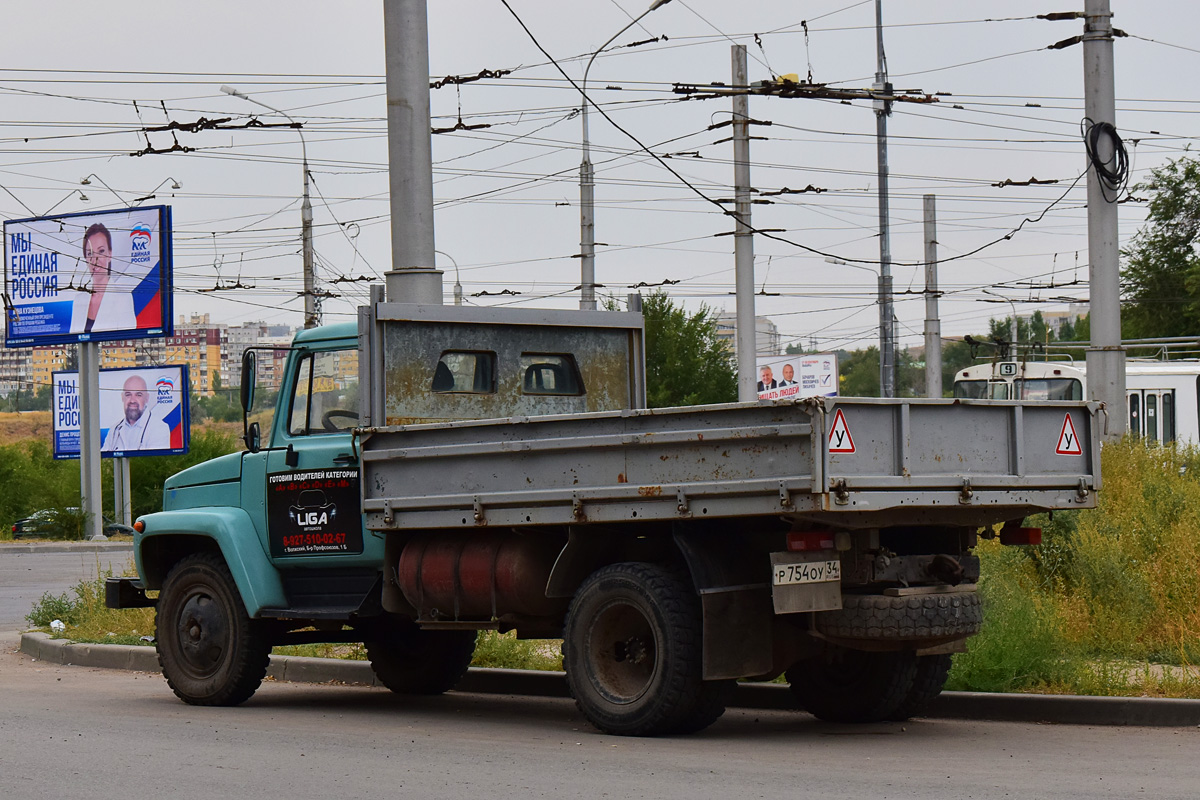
(1068, 442)
(840, 440)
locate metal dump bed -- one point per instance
(846, 462)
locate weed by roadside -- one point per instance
(1110, 596)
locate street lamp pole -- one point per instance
(1013, 327)
(311, 318)
(587, 182)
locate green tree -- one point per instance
(1161, 279)
(686, 363)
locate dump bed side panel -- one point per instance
(664, 464)
(855, 463)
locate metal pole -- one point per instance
(743, 239)
(887, 341)
(587, 181)
(412, 278)
(1106, 356)
(90, 488)
(123, 508)
(933, 325)
(1016, 336)
(311, 318)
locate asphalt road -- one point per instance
(109, 734)
(26, 576)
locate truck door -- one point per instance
(312, 493)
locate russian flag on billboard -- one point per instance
(174, 417)
(147, 301)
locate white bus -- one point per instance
(1161, 396)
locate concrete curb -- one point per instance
(1060, 709)
(64, 547)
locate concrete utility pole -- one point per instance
(883, 108)
(412, 278)
(311, 318)
(933, 325)
(1105, 356)
(743, 239)
(587, 181)
(90, 491)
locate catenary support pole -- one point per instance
(1106, 356)
(883, 108)
(412, 277)
(933, 324)
(90, 489)
(743, 239)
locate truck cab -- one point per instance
(268, 546)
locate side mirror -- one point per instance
(253, 438)
(249, 373)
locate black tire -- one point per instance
(928, 681)
(409, 660)
(633, 653)
(210, 651)
(914, 618)
(843, 685)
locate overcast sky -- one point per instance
(79, 87)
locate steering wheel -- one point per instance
(328, 419)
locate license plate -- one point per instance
(807, 572)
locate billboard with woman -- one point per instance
(88, 277)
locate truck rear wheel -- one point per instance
(843, 685)
(633, 650)
(409, 660)
(210, 651)
(928, 681)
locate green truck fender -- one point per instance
(172, 535)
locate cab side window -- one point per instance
(550, 373)
(461, 371)
(326, 393)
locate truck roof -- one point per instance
(338, 330)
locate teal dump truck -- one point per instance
(435, 471)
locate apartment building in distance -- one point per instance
(211, 351)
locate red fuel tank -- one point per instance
(477, 575)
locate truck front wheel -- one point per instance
(211, 652)
(843, 685)
(409, 660)
(632, 653)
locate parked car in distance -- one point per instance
(51, 522)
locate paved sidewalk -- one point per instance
(22, 546)
(1061, 709)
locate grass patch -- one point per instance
(1110, 597)
(86, 617)
(505, 650)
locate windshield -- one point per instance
(1049, 389)
(981, 390)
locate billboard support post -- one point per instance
(91, 500)
(122, 501)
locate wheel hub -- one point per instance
(203, 634)
(625, 649)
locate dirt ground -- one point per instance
(16, 426)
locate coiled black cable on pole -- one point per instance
(1114, 173)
